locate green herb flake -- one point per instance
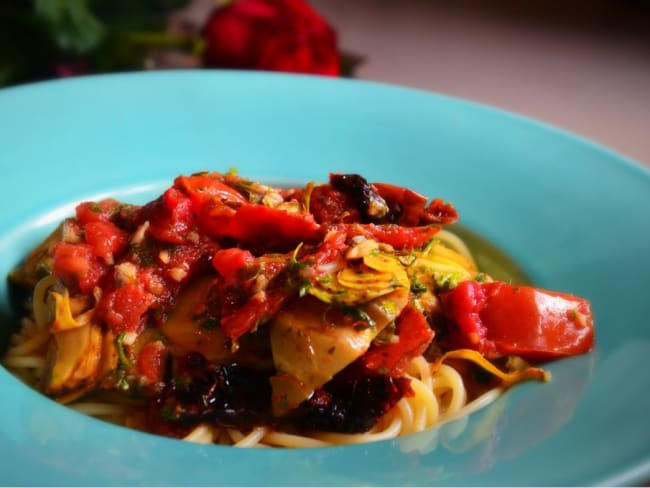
(95, 207)
(124, 361)
(168, 413)
(358, 314)
(417, 287)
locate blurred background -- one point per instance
(583, 65)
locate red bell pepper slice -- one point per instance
(151, 361)
(410, 203)
(439, 212)
(414, 335)
(254, 312)
(254, 224)
(499, 319)
(203, 188)
(396, 235)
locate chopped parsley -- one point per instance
(124, 361)
(359, 314)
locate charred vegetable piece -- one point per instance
(190, 329)
(312, 341)
(371, 206)
(413, 336)
(204, 392)
(351, 403)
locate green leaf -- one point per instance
(71, 24)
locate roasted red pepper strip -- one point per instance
(203, 188)
(499, 319)
(414, 335)
(439, 212)
(258, 309)
(151, 360)
(410, 204)
(258, 224)
(397, 236)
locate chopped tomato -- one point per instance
(500, 319)
(171, 217)
(330, 249)
(124, 308)
(151, 361)
(414, 336)
(101, 211)
(229, 262)
(106, 239)
(77, 265)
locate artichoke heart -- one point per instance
(308, 349)
(443, 255)
(75, 359)
(439, 264)
(376, 275)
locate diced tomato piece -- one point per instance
(101, 211)
(106, 239)
(151, 361)
(76, 264)
(500, 319)
(229, 262)
(124, 308)
(171, 218)
(414, 335)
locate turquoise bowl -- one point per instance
(573, 215)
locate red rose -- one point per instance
(274, 35)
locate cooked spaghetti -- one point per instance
(231, 312)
